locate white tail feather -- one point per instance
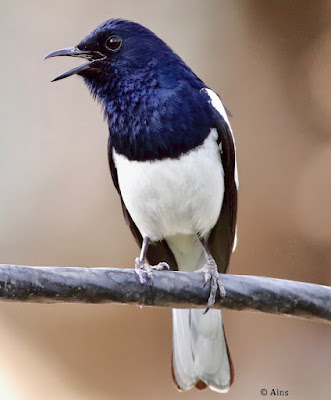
(199, 349)
(199, 346)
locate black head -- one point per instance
(144, 88)
(115, 46)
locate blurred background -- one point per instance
(271, 63)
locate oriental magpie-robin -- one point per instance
(172, 159)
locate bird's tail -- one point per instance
(200, 352)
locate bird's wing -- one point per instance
(222, 239)
(157, 252)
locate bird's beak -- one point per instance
(92, 56)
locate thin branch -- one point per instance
(165, 289)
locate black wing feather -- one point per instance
(221, 239)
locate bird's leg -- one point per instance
(141, 265)
(211, 275)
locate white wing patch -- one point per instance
(235, 241)
(216, 102)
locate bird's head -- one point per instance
(116, 47)
(143, 87)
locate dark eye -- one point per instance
(114, 43)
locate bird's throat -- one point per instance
(148, 122)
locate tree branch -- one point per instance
(165, 289)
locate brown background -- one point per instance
(270, 61)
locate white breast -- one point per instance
(170, 197)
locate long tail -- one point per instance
(200, 353)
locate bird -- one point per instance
(172, 159)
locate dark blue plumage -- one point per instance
(151, 99)
(172, 159)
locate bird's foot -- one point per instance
(212, 276)
(142, 268)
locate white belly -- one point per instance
(171, 197)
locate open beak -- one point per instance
(92, 56)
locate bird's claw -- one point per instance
(211, 275)
(142, 267)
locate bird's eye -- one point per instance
(114, 43)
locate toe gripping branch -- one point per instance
(143, 268)
(145, 271)
(211, 275)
